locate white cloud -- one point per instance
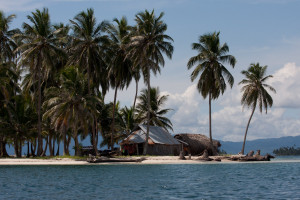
(185, 105)
(24, 5)
(229, 121)
(271, 1)
(287, 85)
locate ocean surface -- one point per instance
(278, 179)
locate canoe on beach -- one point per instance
(106, 159)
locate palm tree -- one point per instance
(120, 65)
(88, 52)
(8, 89)
(128, 119)
(254, 91)
(8, 81)
(70, 106)
(136, 75)
(210, 65)
(7, 44)
(37, 52)
(86, 48)
(156, 112)
(147, 47)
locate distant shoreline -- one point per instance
(149, 160)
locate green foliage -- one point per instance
(209, 65)
(287, 151)
(254, 91)
(157, 113)
(254, 88)
(87, 49)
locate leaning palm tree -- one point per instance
(120, 65)
(209, 64)
(37, 53)
(147, 47)
(157, 113)
(254, 91)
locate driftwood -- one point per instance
(205, 156)
(250, 154)
(217, 159)
(251, 157)
(181, 156)
(106, 159)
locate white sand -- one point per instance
(149, 160)
(68, 161)
(30, 161)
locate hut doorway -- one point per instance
(140, 149)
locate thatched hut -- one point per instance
(197, 143)
(160, 142)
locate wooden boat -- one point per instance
(108, 160)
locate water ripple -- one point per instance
(222, 181)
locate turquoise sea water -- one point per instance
(274, 180)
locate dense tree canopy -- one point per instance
(54, 77)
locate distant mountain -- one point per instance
(265, 145)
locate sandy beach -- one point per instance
(148, 160)
(68, 161)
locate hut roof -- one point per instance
(197, 142)
(157, 134)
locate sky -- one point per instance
(264, 31)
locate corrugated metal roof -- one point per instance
(157, 134)
(136, 137)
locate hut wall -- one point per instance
(163, 149)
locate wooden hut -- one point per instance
(197, 143)
(160, 142)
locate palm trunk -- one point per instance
(76, 140)
(53, 144)
(1, 146)
(51, 150)
(243, 148)
(68, 145)
(136, 92)
(89, 75)
(113, 120)
(3, 152)
(28, 150)
(20, 148)
(33, 148)
(97, 134)
(46, 146)
(58, 144)
(94, 136)
(102, 134)
(148, 113)
(16, 147)
(40, 141)
(65, 143)
(76, 143)
(213, 151)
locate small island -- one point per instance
(287, 151)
